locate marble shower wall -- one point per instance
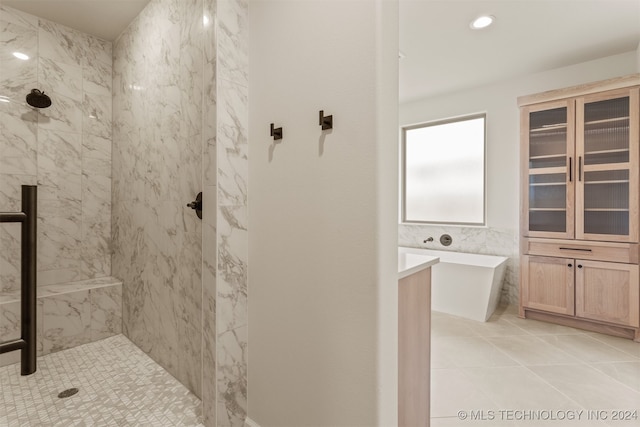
(64, 149)
(180, 126)
(231, 222)
(209, 218)
(489, 241)
(157, 170)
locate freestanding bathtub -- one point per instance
(466, 285)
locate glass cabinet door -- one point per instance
(607, 187)
(549, 200)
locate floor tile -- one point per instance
(556, 368)
(587, 348)
(517, 388)
(531, 350)
(497, 327)
(590, 388)
(622, 344)
(535, 327)
(463, 352)
(446, 325)
(452, 391)
(118, 385)
(627, 373)
(467, 422)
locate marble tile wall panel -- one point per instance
(59, 166)
(210, 95)
(68, 46)
(63, 79)
(10, 329)
(489, 241)
(232, 267)
(10, 321)
(209, 220)
(18, 143)
(232, 371)
(14, 16)
(97, 115)
(156, 171)
(233, 46)
(96, 147)
(97, 78)
(96, 217)
(10, 201)
(10, 258)
(59, 239)
(17, 77)
(64, 115)
(53, 147)
(209, 259)
(11, 192)
(106, 311)
(232, 233)
(232, 143)
(66, 321)
(67, 315)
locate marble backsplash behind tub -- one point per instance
(478, 240)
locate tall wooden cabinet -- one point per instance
(580, 215)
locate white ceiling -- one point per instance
(102, 18)
(442, 53)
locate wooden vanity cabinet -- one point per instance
(548, 284)
(608, 292)
(594, 290)
(580, 219)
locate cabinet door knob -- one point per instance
(570, 265)
(579, 265)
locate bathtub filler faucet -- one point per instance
(429, 239)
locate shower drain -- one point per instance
(68, 392)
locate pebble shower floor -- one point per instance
(119, 386)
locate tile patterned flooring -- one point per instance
(525, 373)
(119, 386)
(509, 368)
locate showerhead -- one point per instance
(38, 99)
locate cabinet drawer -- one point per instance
(598, 251)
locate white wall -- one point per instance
(638, 58)
(322, 213)
(499, 101)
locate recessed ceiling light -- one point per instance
(482, 21)
(21, 55)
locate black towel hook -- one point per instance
(325, 121)
(276, 133)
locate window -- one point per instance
(443, 171)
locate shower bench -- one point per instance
(68, 315)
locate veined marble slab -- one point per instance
(68, 315)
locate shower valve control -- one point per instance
(196, 205)
(446, 240)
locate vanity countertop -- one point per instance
(409, 263)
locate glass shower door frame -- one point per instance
(623, 169)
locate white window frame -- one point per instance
(403, 174)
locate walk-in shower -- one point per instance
(124, 266)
